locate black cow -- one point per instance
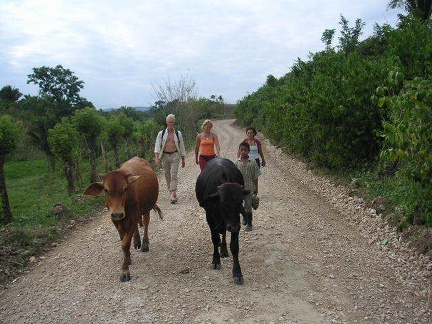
(219, 190)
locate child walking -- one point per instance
(250, 171)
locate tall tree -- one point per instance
(327, 38)
(115, 135)
(59, 84)
(90, 124)
(10, 94)
(411, 43)
(174, 96)
(10, 133)
(9, 97)
(350, 35)
(144, 136)
(421, 9)
(178, 98)
(128, 129)
(58, 97)
(64, 142)
(39, 115)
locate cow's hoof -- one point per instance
(216, 266)
(238, 280)
(125, 277)
(224, 254)
(144, 248)
(137, 246)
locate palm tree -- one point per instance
(10, 94)
(418, 8)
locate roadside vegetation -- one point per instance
(361, 111)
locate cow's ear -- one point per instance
(94, 189)
(246, 192)
(209, 200)
(133, 178)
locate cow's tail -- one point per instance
(158, 210)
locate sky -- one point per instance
(123, 50)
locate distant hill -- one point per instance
(142, 108)
(137, 108)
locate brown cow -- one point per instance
(131, 192)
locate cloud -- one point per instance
(119, 48)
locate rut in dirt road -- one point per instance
(313, 257)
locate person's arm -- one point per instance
(263, 162)
(255, 181)
(197, 147)
(157, 161)
(182, 149)
(217, 146)
(256, 186)
(158, 148)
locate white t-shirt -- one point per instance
(253, 154)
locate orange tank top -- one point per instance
(207, 146)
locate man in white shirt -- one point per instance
(169, 149)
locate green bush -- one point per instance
(408, 144)
(332, 111)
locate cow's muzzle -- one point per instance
(117, 216)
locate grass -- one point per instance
(33, 192)
(400, 199)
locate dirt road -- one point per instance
(314, 256)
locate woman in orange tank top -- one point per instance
(207, 145)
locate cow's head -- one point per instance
(115, 185)
(229, 199)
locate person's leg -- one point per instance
(244, 220)
(175, 162)
(258, 162)
(166, 165)
(248, 221)
(248, 212)
(203, 159)
(202, 162)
